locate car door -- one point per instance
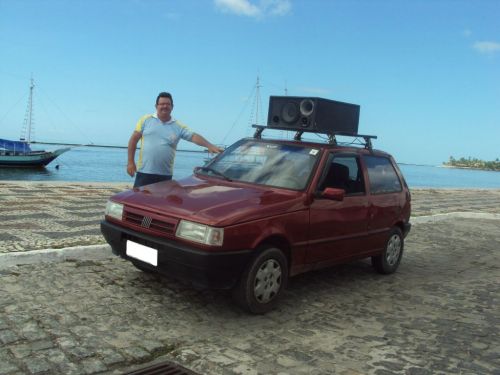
(338, 228)
(386, 197)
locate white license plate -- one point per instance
(141, 252)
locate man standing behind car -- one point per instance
(159, 135)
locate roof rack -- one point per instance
(331, 136)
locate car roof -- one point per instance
(339, 147)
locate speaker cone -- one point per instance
(290, 113)
(306, 107)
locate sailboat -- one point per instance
(19, 153)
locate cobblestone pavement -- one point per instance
(438, 314)
(52, 215)
(57, 215)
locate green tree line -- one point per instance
(473, 163)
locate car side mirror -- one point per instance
(333, 194)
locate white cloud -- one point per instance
(252, 9)
(487, 47)
(277, 7)
(239, 7)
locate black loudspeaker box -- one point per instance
(312, 115)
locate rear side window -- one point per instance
(383, 178)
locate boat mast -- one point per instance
(256, 105)
(257, 96)
(28, 118)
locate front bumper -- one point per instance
(219, 270)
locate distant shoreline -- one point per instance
(473, 163)
(417, 165)
(472, 168)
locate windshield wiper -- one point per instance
(214, 171)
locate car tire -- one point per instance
(388, 262)
(263, 281)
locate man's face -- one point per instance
(164, 108)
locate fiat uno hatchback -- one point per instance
(262, 211)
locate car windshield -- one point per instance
(260, 162)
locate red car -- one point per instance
(263, 211)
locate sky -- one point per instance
(425, 73)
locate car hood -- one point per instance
(212, 201)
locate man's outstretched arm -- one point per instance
(200, 141)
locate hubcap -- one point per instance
(267, 281)
(393, 249)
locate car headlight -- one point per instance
(114, 210)
(200, 233)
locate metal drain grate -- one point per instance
(163, 368)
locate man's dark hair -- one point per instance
(164, 95)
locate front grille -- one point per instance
(153, 223)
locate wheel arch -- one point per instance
(279, 242)
(401, 226)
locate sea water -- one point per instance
(104, 164)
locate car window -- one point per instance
(275, 164)
(383, 178)
(343, 172)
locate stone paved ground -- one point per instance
(439, 314)
(56, 215)
(52, 215)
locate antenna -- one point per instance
(257, 99)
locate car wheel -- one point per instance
(262, 282)
(389, 260)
